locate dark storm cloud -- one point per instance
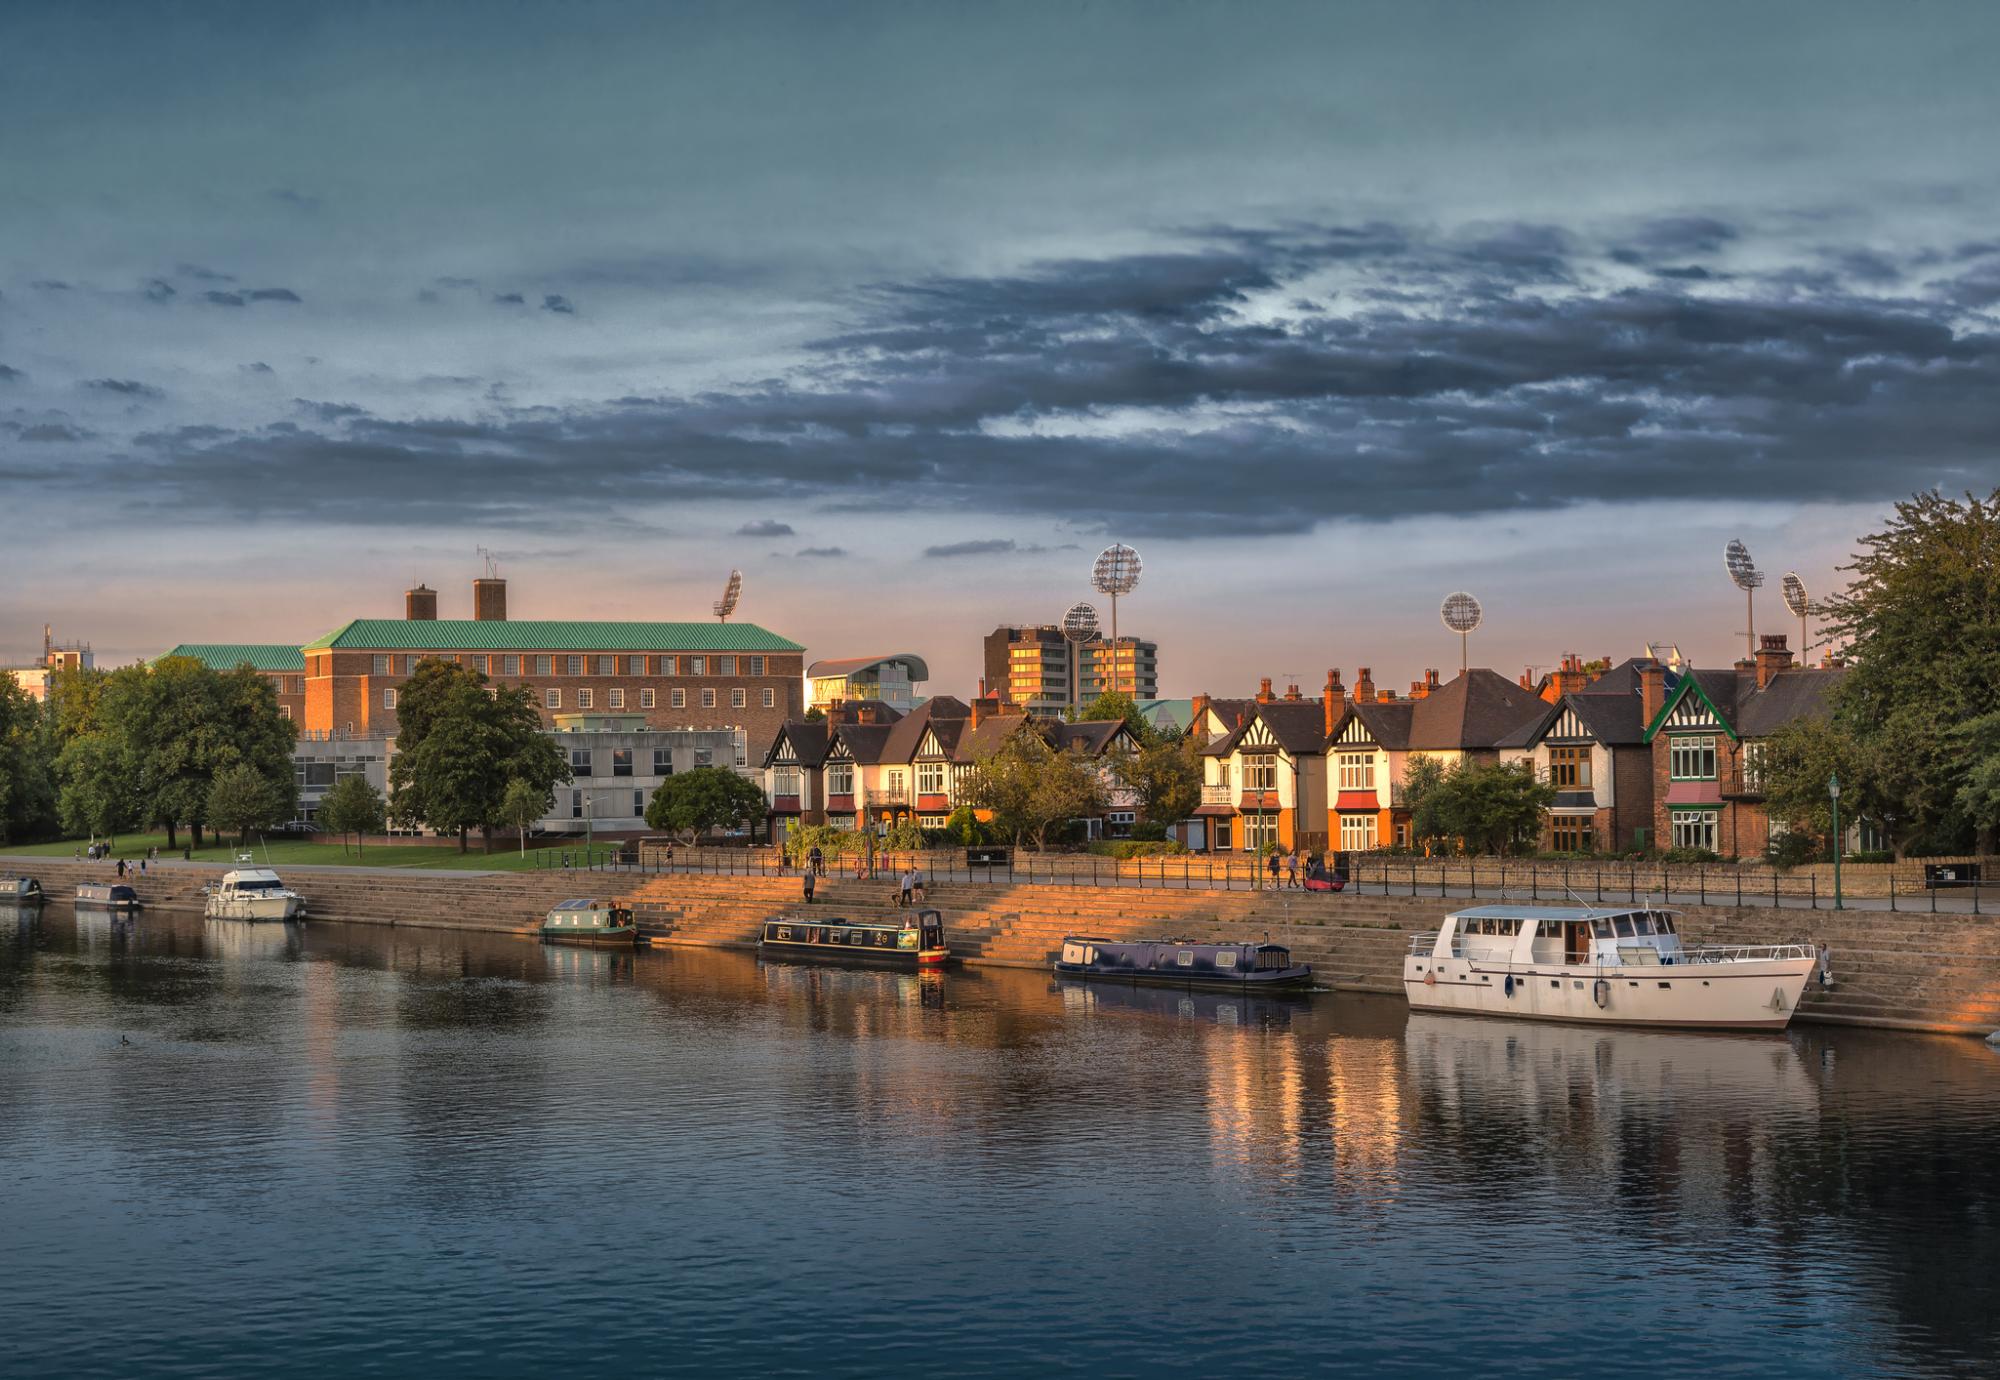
(52, 431)
(766, 527)
(278, 294)
(131, 388)
(511, 299)
(1470, 373)
(820, 552)
(8, 373)
(220, 298)
(158, 290)
(555, 301)
(990, 546)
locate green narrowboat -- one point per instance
(584, 921)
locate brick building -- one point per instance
(1591, 746)
(673, 675)
(282, 665)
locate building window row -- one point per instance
(1691, 759)
(1571, 833)
(1357, 833)
(1694, 829)
(1357, 771)
(543, 666)
(1569, 768)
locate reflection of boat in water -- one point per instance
(106, 896)
(1180, 963)
(1477, 1064)
(1624, 966)
(1208, 1005)
(254, 893)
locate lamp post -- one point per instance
(1833, 794)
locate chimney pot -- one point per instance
(1292, 693)
(1264, 690)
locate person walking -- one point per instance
(818, 861)
(1292, 870)
(908, 887)
(807, 883)
(1274, 869)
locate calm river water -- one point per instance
(345, 1150)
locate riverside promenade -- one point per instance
(1905, 970)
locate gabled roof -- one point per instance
(864, 742)
(227, 656)
(908, 732)
(1474, 710)
(1387, 723)
(1092, 736)
(1746, 711)
(989, 736)
(855, 665)
(547, 635)
(809, 739)
(1298, 726)
(1226, 710)
(1610, 711)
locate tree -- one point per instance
(1421, 779)
(1002, 783)
(1116, 704)
(98, 794)
(1166, 778)
(1489, 807)
(693, 803)
(815, 715)
(355, 807)
(1922, 612)
(459, 743)
(522, 805)
(1797, 763)
(27, 794)
(240, 799)
(1067, 786)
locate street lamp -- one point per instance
(1833, 794)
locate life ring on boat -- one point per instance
(1430, 979)
(1600, 993)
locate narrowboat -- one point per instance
(253, 893)
(584, 921)
(107, 896)
(20, 891)
(1622, 966)
(1181, 963)
(914, 942)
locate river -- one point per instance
(334, 1150)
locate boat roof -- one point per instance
(250, 874)
(1554, 912)
(1178, 943)
(583, 903)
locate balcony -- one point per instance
(1218, 795)
(1738, 784)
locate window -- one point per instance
(607, 666)
(1694, 829)
(389, 697)
(894, 785)
(840, 779)
(381, 665)
(930, 778)
(1570, 833)
(544, 666)
(579, 761)
(697, 665)
(646, 698)
(621, 761)
(576, 804)
(284, 711)
(552, 699)
(1569, 769)
(670, 665)
(756, 666)
(1691, 759)
(638, 804)
(586, 699)
(1259, 830)
(1260, 773)
(510, 665)
(1225, 958)
(615, 698)
(725, 666)
(677, 699)
(738, 698)
(708, 699)
(785, 781)
(770, 698)
(663, 761)
(1357, 833)
(704, 757)
(572, 665)
(1357, 771)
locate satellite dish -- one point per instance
(1080, 623)
(731, 592)
(1461, 613)
(1116, 572)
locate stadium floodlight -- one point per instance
(1116, 572)
(1080, 623)
(731, 592)
(1461, 613)
(1748, 578)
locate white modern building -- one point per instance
(894, 680)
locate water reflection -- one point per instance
(595, 1158)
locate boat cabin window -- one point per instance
(1642, 924)
(1663, 923)
(1624, 925)
(1184, 958)
(1225, 958)
(1273, 958)
(1601, 928)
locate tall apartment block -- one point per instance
(1128, 664)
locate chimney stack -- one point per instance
(1292, 695)
(1330, 701)
(489, 599)
(420, 605)
(1264, 690)
(1652, 690)
(1197, 711)
(1364, 687)
(1527, 680)
(1773, 656)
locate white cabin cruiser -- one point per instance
(1621, 966)
(254, 893)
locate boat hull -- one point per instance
(1749, 995)
(623, 935)
(88, 901)
(1268, 980)
(908, 960)
(255, 908)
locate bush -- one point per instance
(832, 842)
(1689, 855)
(1137, 848)
(1793, 850)
(1149, 831)
(963, 829)
(1872, 856)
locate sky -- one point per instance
(908, 309)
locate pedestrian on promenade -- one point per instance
(1292, 870)
(1274, 869)
(817, 860)
(908, 887)
(808, 884)
(918, 890)
(121, 867)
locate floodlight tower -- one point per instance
(731, 592)
(1801, 606)
(1079, 626)
(1461, 613)
(1116, 572)
(1748, 578)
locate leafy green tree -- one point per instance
(1067, 786)
(27, 792)
(1979, 796)
(354, 807)
(816, 715)
(963, 828)
(521, 806)
(98, 794)
(1166, 778)
(1422, 777)
(1002, 783)
(1489, 807)
(831, 842)
(458, 745)
(1116, 704)
(693, 803)
(1796, 764)
(240, 799)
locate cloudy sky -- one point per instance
(907, 309)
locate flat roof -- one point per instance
(546, 635)
(1555, 912)
(855, 665)
(227, 656)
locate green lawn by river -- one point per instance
(296, 851)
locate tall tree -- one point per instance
(99, 792)
(1166, 777)
(693, 803)
(1489, 807)
(521, 806)
(27, 792)
(1029, 788)
(1116, 704)
(240, 799)
(355, 807)
(459, 744)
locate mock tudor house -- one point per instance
(1590, 745)
(1705, 736)
(1264, 779)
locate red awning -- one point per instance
(1357, 800)
(1694, 793)
(1216, 810)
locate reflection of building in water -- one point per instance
(1364, 1092)
(1256, 1095)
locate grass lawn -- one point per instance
(291, 850)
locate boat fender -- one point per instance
(1510, 984)
(1600, 993)
(1777, 999)
(1431, 980)
(1825, 966)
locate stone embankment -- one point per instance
(1918, 971)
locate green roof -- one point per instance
(227, 656)
(547, 635)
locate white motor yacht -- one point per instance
(254, 893)
(1623, 966)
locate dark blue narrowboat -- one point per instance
(107, 896)
(915, 941)
(1181, 963)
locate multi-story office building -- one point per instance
(56, 658)
(1128, 664)
(1031, 667)
(894, 680)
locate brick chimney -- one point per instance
(1773, 656)
(420, 605)
(1197, 710)
(489, 599)
(1330, 701)
(1292, 695)
(1264, 690)
(1385, 696)
(1652, 690)
(1364, 687)
(1431, 678)
(1569, 678)
(1527, 679)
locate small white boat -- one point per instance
(1623, 966)
(254, 893)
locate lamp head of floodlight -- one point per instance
(1461, 612)
(1796, 598)
(1742, 569)
(731, 592)
(1079, 625)
(1116, 571)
